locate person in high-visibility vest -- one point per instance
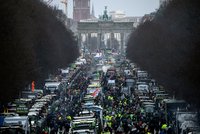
(69, 118)
(110, 118)
(120, 115)
(107, 118)
(111, 98)
(109, 124)
(125, 103)
(164, 127)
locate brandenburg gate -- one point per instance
(105, 25)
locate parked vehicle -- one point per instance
(15, 124)
(52, 87)
(84, 126)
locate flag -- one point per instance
(33, 86)
(95, 93)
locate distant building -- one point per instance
(81, 10)
(121, 16)
(92, 13)
(148, 17)
(117, 14)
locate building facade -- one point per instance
(117, 14)
(81, 10)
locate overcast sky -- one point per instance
(130, 7)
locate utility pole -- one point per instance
(65, 2)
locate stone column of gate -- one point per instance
(86, 39)
(89, 40)
(122, 43)
(98, 41)
(111, 40)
